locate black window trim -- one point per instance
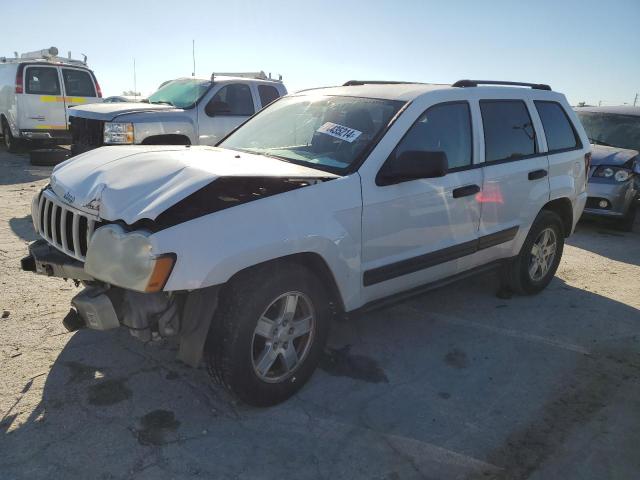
(253, 104)
(536, 145)
(578, 146)
(37, 65)
(450, 170)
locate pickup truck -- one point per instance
(185, 111)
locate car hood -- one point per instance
(140, 182)
(613, 156)
(109, 111)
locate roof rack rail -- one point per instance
(475, 83)
(352, 83)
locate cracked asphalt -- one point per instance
(453, 384)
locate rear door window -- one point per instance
(78, 83)
(508, 130)
(268, 94)
(557, 127)
(237, 97)
(43, 81)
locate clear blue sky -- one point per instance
(590, 50)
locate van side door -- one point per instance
(41, 105)
(516, 175)
(228, 107)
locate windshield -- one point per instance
(181, 93)
(326, 132)
(622, 131)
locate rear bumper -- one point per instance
(54, 135)
(44, 259)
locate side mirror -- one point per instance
(413, 165)
(215, 107)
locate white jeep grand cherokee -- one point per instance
(325, 202)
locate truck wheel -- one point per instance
(536, 264)
(11, 144)
(268, 333)
(626, 224)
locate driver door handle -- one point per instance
(465, 191)
(537, 174)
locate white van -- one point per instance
(36, 89)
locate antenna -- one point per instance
(135, 84)
(193, 55)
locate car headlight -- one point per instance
(118, 133)
(619, 174)
(126, 259)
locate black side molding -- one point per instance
(431, 259)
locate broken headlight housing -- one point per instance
(619, 174)
(125, 259)
(118, 133)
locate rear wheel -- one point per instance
(11, 144)
(268, 333)
(536, 264)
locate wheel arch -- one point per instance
(564, 209)
(310, 260)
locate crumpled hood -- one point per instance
(109, 111)
(613, 156)
(131, 183)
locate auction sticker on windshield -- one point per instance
(340, 131)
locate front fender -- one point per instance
(152, 124)
(324, 219)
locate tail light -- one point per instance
(98, 89)
(19, 81)
(587, 166)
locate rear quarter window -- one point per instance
(508, 130)
(268, 94)
(78, 83)
(558, 129)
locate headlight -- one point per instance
(126, 260)
(121, 133)
(617, 173)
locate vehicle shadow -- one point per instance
(461, 385)
(23, 228)
(22, 171)
(597, 236)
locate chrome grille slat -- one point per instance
(52, 220)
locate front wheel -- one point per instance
(536, 264)
(268, 333)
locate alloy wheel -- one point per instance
(543, 253)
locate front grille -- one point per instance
(66, 229)
(86, 133)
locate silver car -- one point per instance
(614, 177)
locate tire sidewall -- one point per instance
(545, 219)
(239, 314)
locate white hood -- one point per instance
(109, 111)
(137, 182)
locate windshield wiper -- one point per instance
(595, 141)
(162, 102)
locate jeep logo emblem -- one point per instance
(69, 197)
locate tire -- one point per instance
(11, 144)
(626, 224)
(518, 273)
(48, 157)
(248, 357)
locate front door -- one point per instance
(41, 106)
(414, 232)
(228, 107)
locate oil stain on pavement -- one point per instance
(340, 362)
(155, 427)
(456, 358)
(109, 392)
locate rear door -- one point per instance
(233, 103)
(516, 175)
(79, 88)
(41, 105)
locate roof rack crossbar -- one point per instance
(352, 83)
(475, 83)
